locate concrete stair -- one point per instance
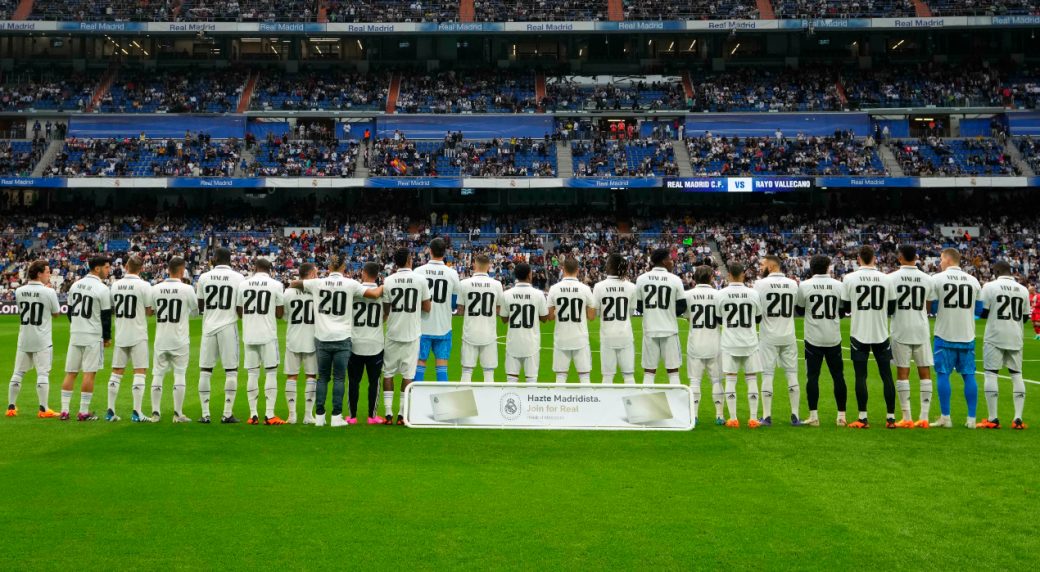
(888, 159)
(1018, 160)
(564, 160)
(682, 157)
(48, 157)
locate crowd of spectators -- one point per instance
(935, 157)
(195, 155)
(983, 7)
(31, 89)
(841, 154)
(810, 9)
(764, 89)
(481, 91)
(641, 157)
(19, 158)
(331, 90)
(310, 151)
(691, 10)
(591, 93)
(391, 10)
(456, 156)
(540, 11)
(175, 91)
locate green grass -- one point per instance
(193, 496)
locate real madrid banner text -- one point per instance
(549, 406)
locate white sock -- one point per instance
(84, 401)
(180, 386)
(388, 402)
(767, 395)
(157, 381)
(43, 388)
(606, 379)
(752, 397)
(66, 399)
(649, 377)
(204, 388)
(862, 415)
(990, 386)
(113, 390)
(290, 397)
(270, 391)
(731, 394)
(512, 378)
(14, 388)
(718, 396)
(926, 398)
(489, 375)
(673, 378)
(561, 378)
(630, 378)
(903, 389)
(695, 388)
(137, 390)
(813, 415)
(1018, 393)
(585, 377)
(253, 390)
(310, 392)
(230, 391)
(794, 392)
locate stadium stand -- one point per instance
(175, 91)
(635, 158)
(468, 92)
(539, 11)
(321, 90)
(192, 156)
(932, 157)
(841, 154)
(19, 158)
(691, 10)
(456, 156)
(392, 11)
(602, 93)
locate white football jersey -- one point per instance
(175, 303)
(37, 305)
(867, 291)
(778, 294)
(131, 297)
(660, 291)
(443, 283)
(913, 290)
(333, 302)
(260, 296)
(216, 289)
(299, 318)
(1008, 305)
(957, 292)
(821, 298)
(571, 298)
(368, 325)
(480, 296)
(405, 291)
(523, 305)
(702, 313)
(739, 308)
(87, 298)
(615, 299)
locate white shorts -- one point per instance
(136, 354)
(920, 353)
(529, 364)
(582, 360)
(666, 348)
(696, 367)
(399, 358)
(86, 359)
(293, 361)
(165, 360)
(222, 345)
(40, 361)
(772, 356)
(733, 364)
(613, 359)
(995, 359)
(487, 354)
(261, 354)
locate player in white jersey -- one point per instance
(131, 306)
(260, 302)
(614, 299)
(299, 346)
(778, 347)
(90, 332)
(443, 282)
(406, 297)
(740, 310)
(524, 308)
(955, 309)
(333, 326)
(870, 301)
(570, 305)
(819, 300)
(366, 352)
(1005, 305)
(702, 344)
(37, 307)
(480, 298)
(661, 301)
(911, 333)
(216, 292)
(175, 303)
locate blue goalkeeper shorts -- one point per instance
(441, 346)
(950, 357)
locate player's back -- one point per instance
(571, 299)
(615, 299)
(367, 339)
(175, 303)
(36, 305)
(299, 318)
(522, 306)
(912, 290)
(867, 291)
(480, 295)
(260, 296)
(405, 291)
(131, 297)
(957, 293)
(443, 283)
(333, 302)
(659, 290)
(216, 289)
(703, 315)
(739, 308)
(821, 296)
(1006, 301)
(88, 297)
(778, 294)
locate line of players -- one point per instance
(335, 330)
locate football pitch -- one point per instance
(121, 495)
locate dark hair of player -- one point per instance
(221, 256)
(522, 271)
(371, 271)
(616, 265)
(36, 269)
(703, 274)
(306, 268)
(401, 257)
(96, 262)
(262, 265)
(134, 264)
(735, 269)
(819, 264)
(908, 252)
(659, 256)
(866, 254)
(953, 254)
(482, 260)
(774, 259)
(570, 265)
(438, 247)
(175, 265)
(1001, 268)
